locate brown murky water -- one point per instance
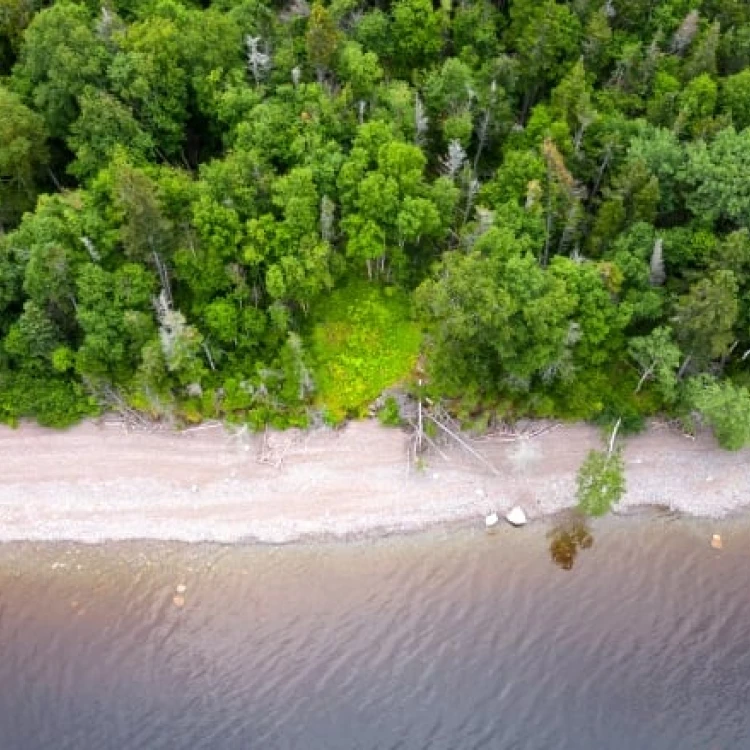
(454, 640)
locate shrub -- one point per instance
(362, 342)
(601, 482)
(390, 415)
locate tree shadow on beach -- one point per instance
(567, 539)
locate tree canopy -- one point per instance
(212, 209)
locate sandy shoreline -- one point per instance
(97, 481)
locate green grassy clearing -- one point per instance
(363, 341)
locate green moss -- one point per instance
(363, 341)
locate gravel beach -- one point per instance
(99, 481)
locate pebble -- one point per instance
(716, 541)
(516, 516)
(178, 601)
(181, 588)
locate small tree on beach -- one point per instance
(601, 478)
(601, 482)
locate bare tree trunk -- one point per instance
(646, 375)
(600, 173)
(163, 275)
(54, 179)
(683, 368)
(208, 356)
(613, 436)
(483, 129)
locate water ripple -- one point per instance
(446, 642)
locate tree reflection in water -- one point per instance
(567, 539)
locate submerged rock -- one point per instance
(516, 516)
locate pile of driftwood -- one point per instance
(433, 427)
(114, 404)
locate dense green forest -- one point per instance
(271, 212)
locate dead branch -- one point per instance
(132, 419)
(508, 435)
(613, 436)
(453, 434)
(416, 445)
(207, 425)
(274, 455)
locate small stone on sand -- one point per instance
(181, 588)
(516, 517)
(716, 542)
(178, 601)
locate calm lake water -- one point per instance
(452, 640)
